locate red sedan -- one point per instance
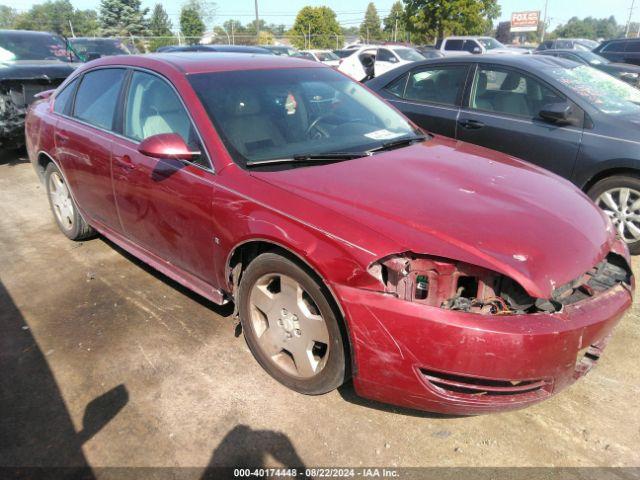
(436, 274)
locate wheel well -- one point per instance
(43, 161)
(609, 173)
(244, 254)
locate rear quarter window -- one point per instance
(97, 96)
(62, 101)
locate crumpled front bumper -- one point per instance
(461, 363)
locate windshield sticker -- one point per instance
(290, 105)
(383, 134)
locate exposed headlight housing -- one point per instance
(454, 285)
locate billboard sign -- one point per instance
(525, 21)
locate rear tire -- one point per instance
(619, 197)
(64, 209)
(290, 326)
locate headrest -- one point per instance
(511, 82)
(443, 80)
(482, 84)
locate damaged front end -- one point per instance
(15, 98)
(453, 285)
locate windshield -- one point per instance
(592, 58)
(16, 45)
(490, 43)
(586, 44)
(409, 54)
(282, 113)
(326, 56)
(606, 93)
(104, 47)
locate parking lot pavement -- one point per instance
(104, 362)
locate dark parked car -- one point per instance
(30, 63)
(437, 274)
(344, 52)
(280, 50)
(569, 118)
(92, 48)
(215, 48)
(625, 50)
(624, 71)
(429, 52)
(568, 44)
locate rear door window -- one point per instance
(614, 47)
(441, 84)
(455, 45)
(97, 96)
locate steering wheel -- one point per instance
(314, 124)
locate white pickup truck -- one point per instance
(474, 46)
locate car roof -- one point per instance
(523, 61)
(28, 32)
(207, 62)
(560, 50)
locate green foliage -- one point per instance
(159, 24)
(429, 19)
(8, 16)
(321, 23)
(51, 16)
(589, 27)
(191, 24)
(122, 18)
(370, 28)
(395, 25)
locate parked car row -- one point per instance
(569, 118)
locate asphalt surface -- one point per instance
(104, 362)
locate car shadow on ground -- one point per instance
(222, 310)
(243, 446)
(13, 156)
(37, 429)
(348, 393)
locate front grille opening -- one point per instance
(482, 387)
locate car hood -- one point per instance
(622, 67)
(459, 201)
(36, 69)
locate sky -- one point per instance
(351, 12)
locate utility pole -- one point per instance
(395, 31)
(233, 38)
(309, 47)
(71, 27)
(544, 22)
(257, 24)
(626, 33)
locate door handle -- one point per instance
(61, 138)
(126, 163)
(471, 124)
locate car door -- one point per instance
(502, 112)
(385, 61)
(430, 96)
(83, 139)
(165, 205)
(613, 51)
(353, 67)
(632, 52)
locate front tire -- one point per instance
(619, 197)
(64, 209)
(290, 326)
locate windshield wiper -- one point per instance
(310, 157)
(402, 142)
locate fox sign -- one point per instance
(525, 21)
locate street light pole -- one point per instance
(626, 33)
(257, 24)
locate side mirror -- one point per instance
(393, 60)
(166, 145)
(477, 50)
(557, 113)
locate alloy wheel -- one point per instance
(288, 326)
(61, 201)
(622, 206)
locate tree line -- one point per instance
(416, 21)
